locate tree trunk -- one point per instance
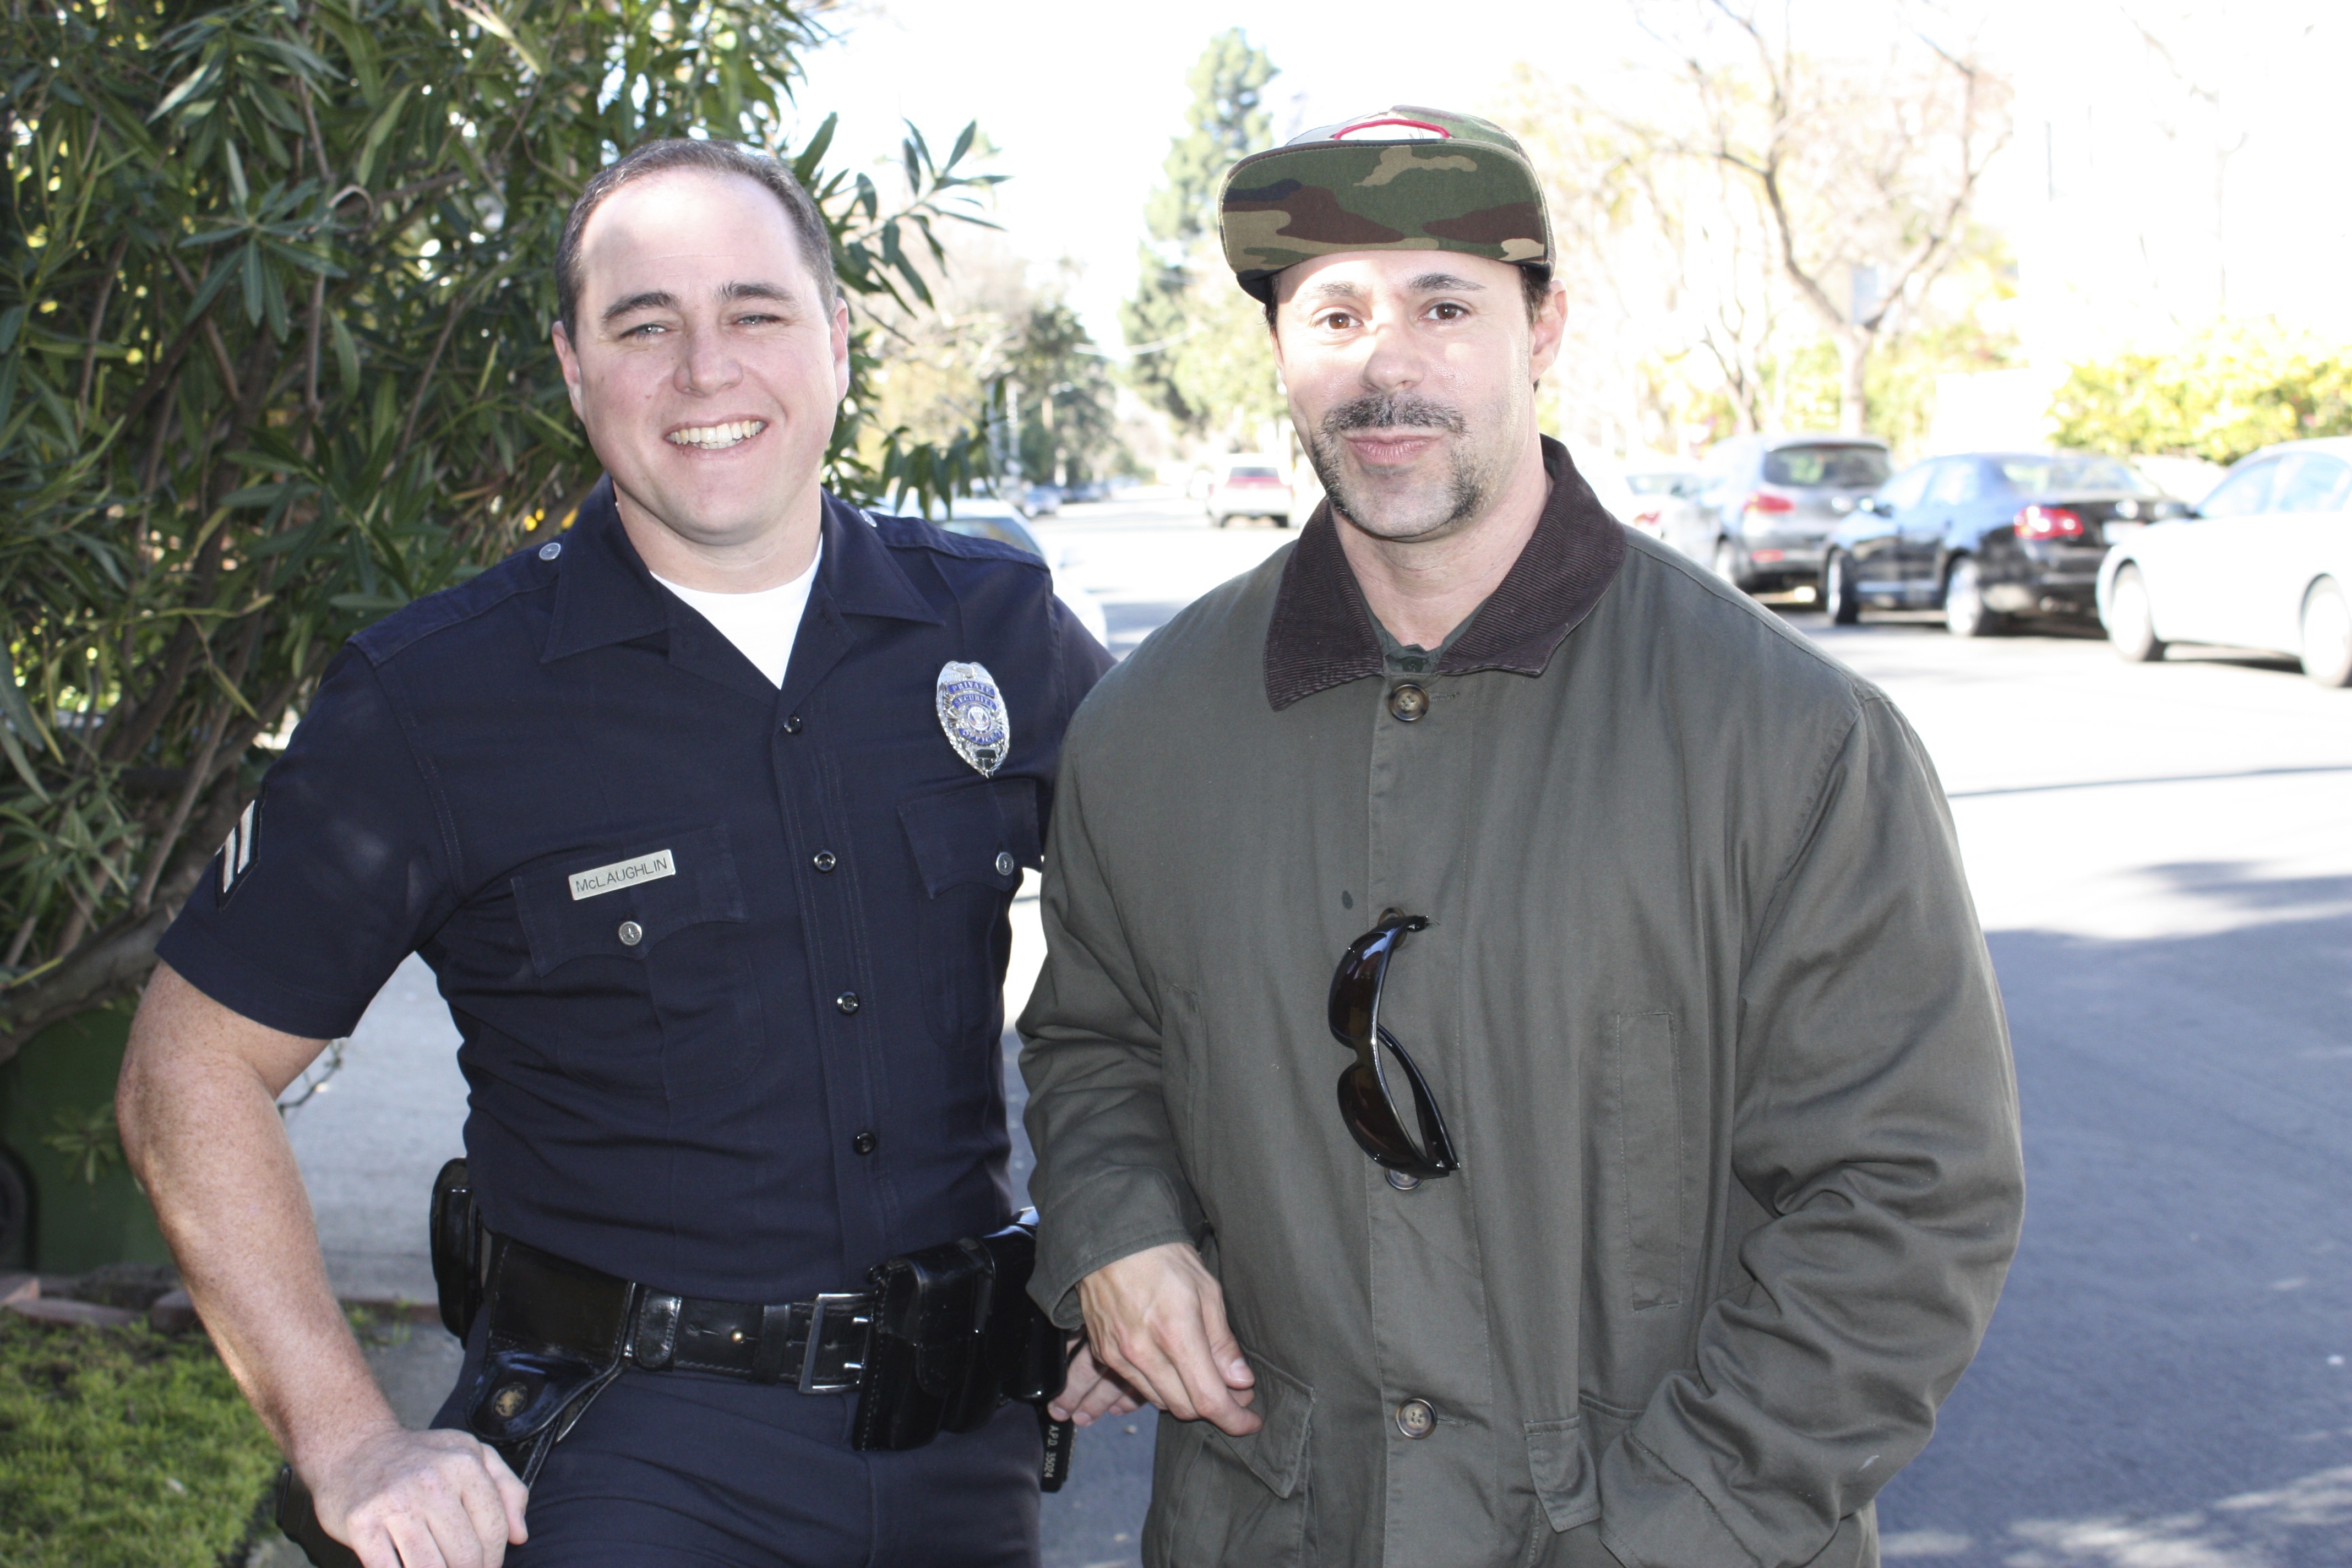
(1854, 345)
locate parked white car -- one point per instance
(2264, 561)
(1249, 484)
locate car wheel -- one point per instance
(2131, 620)
(1844, 604)
(1965, 614)
(1727, 563)
(1218, 520)
(2327, 636)
(1282, 519)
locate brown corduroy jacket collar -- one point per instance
(1322, 633)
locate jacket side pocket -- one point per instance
(1641, 1116)
(1567, 1482)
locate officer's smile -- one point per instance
(716, 437)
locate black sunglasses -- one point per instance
(1366, 1104)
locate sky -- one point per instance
(1081, 98)
(2110, 200)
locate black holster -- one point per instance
(955, 1337)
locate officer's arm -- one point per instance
(197, 1109)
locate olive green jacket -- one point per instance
(1703, 1003)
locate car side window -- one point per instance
(2246, 490)
(1958, 482)
(2311, 481)
(1905, 488)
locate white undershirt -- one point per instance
(763, 623)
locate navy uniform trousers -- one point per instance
(677, 1469)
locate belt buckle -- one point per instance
(815, 1376)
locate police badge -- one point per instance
(972, 711)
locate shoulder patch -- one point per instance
(238, 851)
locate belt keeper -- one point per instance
(776, 1334)
(655, 1340)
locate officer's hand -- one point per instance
(1091, 1391)
(1157, 1318)
(419, 1499)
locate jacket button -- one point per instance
(1403, 1183)
(824, 860)
(1408, 703)
(551, 550)
(1414, 1418)
(793, 725)
(847, 1001)
(866, 1143)
(631, 933)
(1004, 863)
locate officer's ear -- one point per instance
(840, 348)
(571, 363)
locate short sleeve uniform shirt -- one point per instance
(726, 959)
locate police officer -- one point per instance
(708, 816)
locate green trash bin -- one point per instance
(57, 1090)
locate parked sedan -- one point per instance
(2264, 561)
(1768, 503)
(984, 517)
(1987, 536)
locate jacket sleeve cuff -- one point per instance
(1124, 1210)
(1652, 1518)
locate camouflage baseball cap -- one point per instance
(1397, 179)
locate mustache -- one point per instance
(1391, 411)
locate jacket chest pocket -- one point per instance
(969, 843)
(659, 922)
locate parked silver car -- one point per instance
(1767, 505)
(2264, 561)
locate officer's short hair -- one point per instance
(716, 157)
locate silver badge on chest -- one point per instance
(972, 711)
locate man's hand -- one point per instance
(1157, 1320)
(1091, 1391)
(419, 1499)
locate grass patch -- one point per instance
(123, 1449)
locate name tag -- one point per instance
(622, 874)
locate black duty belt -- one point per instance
(817, 1346)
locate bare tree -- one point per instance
(1867, 169)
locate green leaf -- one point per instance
(347, 354)
(378, 129)
(190, 83)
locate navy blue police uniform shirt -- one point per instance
(754, 1048)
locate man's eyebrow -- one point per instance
(650, 300)
(1337, 288)
(758, 290)
(1441, 283)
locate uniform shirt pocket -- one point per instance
(657, 911)
(969, 843)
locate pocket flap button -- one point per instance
(1415, 1418)
(1004, 863)
(631, 933)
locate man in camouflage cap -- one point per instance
(1675, 1166)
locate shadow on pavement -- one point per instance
(2169, 1379)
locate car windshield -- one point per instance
(1848, 468)
(1254, 474)
(1655, 484)
(2041, 476)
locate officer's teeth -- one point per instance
(710, 437)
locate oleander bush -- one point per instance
(275, 288)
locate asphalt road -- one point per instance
(2162, 859)
(2163, 862)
